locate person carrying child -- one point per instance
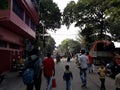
(67, 76)
(101, 73)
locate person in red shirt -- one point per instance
(49, 70)
(90, 65)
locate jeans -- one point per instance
(83, 76)
(90, 68)
(102, 84)
(68, 84)
(37, 84)
(49, 83)
(29, 86)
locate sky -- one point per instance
(64, 33)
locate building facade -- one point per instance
(18, 20)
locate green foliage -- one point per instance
(97, 19)
(70, 45)
(50, 44)
(68, 16)
(50, 14)
(3, 4)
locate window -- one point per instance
(3, 4)
(17, 9)
(14, 46)
(3, 44)
(32, 26)
(27, 19)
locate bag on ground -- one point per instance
(54, 84)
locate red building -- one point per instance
(18, 19)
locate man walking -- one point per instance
(35, 63)
(83, 62)
(49, 70)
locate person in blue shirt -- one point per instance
(67, 76)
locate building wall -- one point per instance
(15, 29)
(5, 61)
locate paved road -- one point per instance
(13, 82)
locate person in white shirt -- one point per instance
(83, 64)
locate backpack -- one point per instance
(28, 74)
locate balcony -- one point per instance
(14, 23)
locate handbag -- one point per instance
(54, 84)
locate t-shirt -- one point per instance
(101, 72)
(48, 65)
(83, 60)
(90, 59)
(67, 75)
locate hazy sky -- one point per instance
(63, 32)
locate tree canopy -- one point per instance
(97, 19)
(70, 45)
(50, 14)
(50, 44)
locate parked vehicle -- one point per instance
(102, 51)
(20, 69)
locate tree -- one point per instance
(50, 44)
(49, 19)
(95, 18)
(70, 45)
(50, 14)
(68, 15)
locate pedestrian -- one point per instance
(101, 73)
(90, 64)
(67, 76)
(57, 57)
(68, 56)
(37, 67)
(49, 70)
(83, 65)
(117, 81)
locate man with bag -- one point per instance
(49, 70)
(33, 70)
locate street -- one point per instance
(13, 82)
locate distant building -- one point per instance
(18, 20)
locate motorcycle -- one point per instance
(20, 69)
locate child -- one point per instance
(67, 76)
(101, 72)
